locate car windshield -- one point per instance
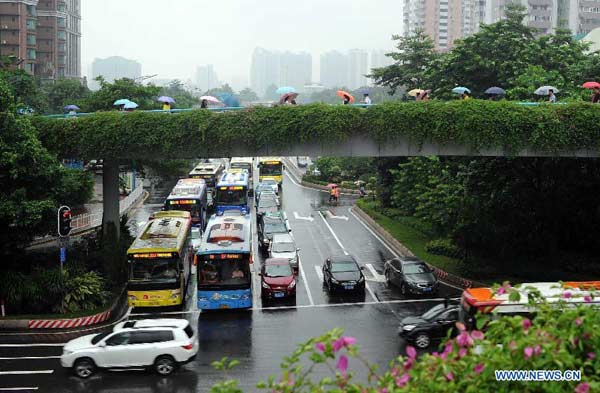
(434, 312)
(275, 227)
(98, 337)
(278, 270)
(269, 182)
(284, 247)
(416, 268)
(267, 202)
(338, 267)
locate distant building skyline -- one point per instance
(279, 68)
(112, 68)
(206, 78)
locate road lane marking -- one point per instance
(30, 358)
(298, 217)
(319, 271)
(333, 233)
(18, 389)
(371, 292)
(378, 277)
(388, 247)
(31, 345)
(26, 372)
(310, 298)
(331, 215)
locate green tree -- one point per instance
(248, 95)
(24, 89)
(533, 77)
(215, 91)
(413, 58)
(183, 98)
(103, 99)
(65, 92)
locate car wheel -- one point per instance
(422, 340)
(165, 365)
(84, 368)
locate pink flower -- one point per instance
(479, 368)
(408, 364)
(501, 291)
(320, 347)
(591, 355)
(435, 354)
(395, 372)
(402, 381)
(462, 352)
(526, 324)
(528, 351)
(450, 376)
(567, 294)
(411, 351)
(342, 364)
(477, 335)
(464, 339)
(343, 341)
(587, 299)
(583, 387)
(578, 322)
(448, 348)
(349, 340)
(537, 350)
(513, 345)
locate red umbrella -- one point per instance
(344, 94)
(288, 96)
(591, 85)
(331, 185)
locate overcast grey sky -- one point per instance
(172, 37)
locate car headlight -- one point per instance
(408, 328)
(292, 284)
(334, 281)
(265, 285)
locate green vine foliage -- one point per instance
(477, 125)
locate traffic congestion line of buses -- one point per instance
(215, 200)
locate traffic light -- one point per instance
(64, 221)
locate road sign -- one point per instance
(63, 255)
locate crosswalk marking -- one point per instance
(26, 372)
(18, 389)
(319, 272)
(376, 276)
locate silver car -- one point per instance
(284, 246)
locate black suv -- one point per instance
(267, 225)
(433, 325)
(411, 275)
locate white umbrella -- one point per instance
(211, 99)
(544, 90)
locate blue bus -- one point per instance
(190, 195)
(232, 192)
(223, 263)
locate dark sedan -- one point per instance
(411, 275)
(342, 273)
(433, 325)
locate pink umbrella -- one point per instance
(211, 99)
(590, 85)
(288, 97)
(332, 185)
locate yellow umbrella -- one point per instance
(415, 92)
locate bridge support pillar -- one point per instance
(110, 199)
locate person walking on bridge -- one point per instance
(596, 95)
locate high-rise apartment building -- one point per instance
(358, 68)
(334, 69)
(44, 34)
(206, 78)
(115, 67)
(279, 69)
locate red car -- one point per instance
(277, 279)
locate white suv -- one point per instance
(162, 344)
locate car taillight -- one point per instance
(188, 347)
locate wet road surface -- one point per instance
(260, 337)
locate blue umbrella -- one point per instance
(71, 108)
(460, 90)
(166, 99)
(229, 100)
(285, 90)
(121, 101)
(130, 105)
(496, 91)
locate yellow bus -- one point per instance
(159, 261)
(270, 168)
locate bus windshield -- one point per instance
(270, 169)
(185, 205)
(241, 165)
(224, 271)
(227, 196)
(157, 270)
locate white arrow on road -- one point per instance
(331, 215)
(299, 217)
(376, 276)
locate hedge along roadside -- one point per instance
(476, 124)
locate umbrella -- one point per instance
(288, 96)
(121, 101)
(166, 99)
(460, 90)
(211, 99)
(229, 100)
(130, 105)
(495, 91)
(331, 185)
(72, 108)
(591, 85)
(285, 89)
(543, 91)
(344, 94)
(415, 92)
(359, 182)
